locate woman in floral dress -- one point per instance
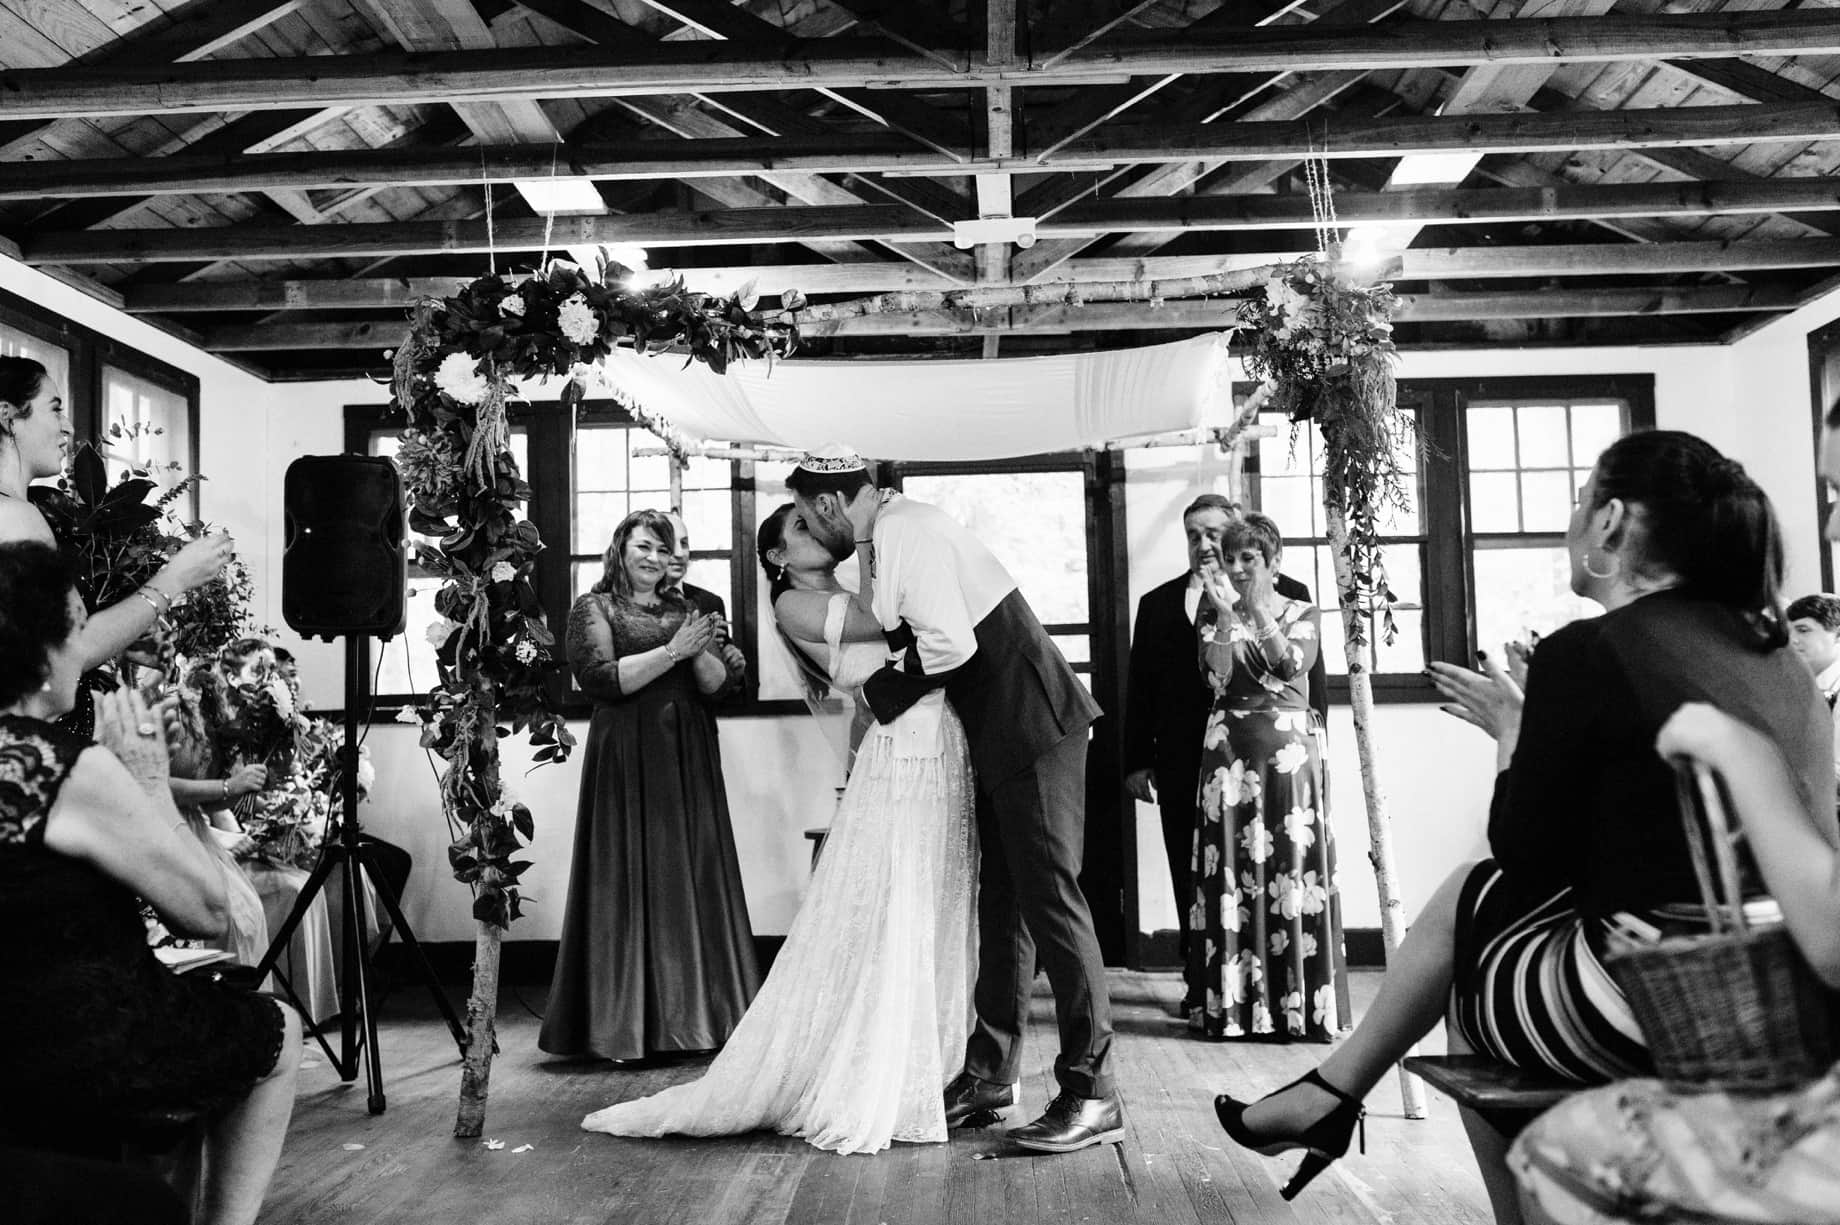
(1265, 899)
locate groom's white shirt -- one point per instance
(933, 573)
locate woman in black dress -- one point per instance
(94, 1026)
(657, 955)
(1683, 550)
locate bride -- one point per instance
(863, 1019)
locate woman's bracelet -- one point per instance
(1274, 630)
(159, 614)
(671, 654)
(226, 783)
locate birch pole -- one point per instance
(1379, 821)
(488, 944)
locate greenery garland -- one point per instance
(1326, 347)
(453, 378)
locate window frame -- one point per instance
(1449, 543)
(90, 351)
(1823, 357)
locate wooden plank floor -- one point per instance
(1175, 1167)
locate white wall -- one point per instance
(1750, 399)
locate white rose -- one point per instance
(440, 632)
(459, 379)
(527, 652)
(511, 304)
(503, 572)
(577, 320)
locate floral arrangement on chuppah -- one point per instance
(453, 377)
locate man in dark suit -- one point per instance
(704, 601)
(1167, 701)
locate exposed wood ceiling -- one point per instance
(279, 180)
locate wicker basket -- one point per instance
(1738, 1009)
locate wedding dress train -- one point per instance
(864, 1016)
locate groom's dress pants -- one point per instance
(1032, 828)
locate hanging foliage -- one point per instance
(1325, 345)
(454, 379)
(453, 376)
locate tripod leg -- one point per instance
(357, 950)
(401, 927)
(330, 856)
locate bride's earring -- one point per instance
(1611, 558)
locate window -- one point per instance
(1477, 555)
(107, 382)
(1290, 466)
(405, 664)
(54, 357)
(154, 424)
(1824, 390)
(610, 482)
(1528, 462)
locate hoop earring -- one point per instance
(1615, 565)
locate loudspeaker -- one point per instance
(343, 570)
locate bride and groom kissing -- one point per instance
(967, 795)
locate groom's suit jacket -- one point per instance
(954, 619)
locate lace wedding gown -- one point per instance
(864, 1016)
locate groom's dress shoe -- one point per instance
(1072, 1123)
(975, 1101)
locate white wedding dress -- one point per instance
(863, 1019)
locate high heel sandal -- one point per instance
(1325, 1140)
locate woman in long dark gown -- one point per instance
(657, 955)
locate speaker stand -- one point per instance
(345, 851)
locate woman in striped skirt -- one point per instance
(1683, 551)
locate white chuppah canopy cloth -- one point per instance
(937, 410)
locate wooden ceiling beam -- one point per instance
(189, 32)
(888, 276)
(875, 222)
(707, 154)
(700, 67)
(1113, 317)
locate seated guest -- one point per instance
(1650, 1153)
(1167, 701)
(1814, 632)
(1682, 549)
(94, 1026)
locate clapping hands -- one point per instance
(1489, 698)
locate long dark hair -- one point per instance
(35, 617)
(1704, 520)
(772, 535)
(613, 562)
(21, 379)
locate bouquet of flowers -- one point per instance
(287, 820)
(121, 535)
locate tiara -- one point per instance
(833, 459)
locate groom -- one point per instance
(953, 618)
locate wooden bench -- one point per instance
(1508, 1097)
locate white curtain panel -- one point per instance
(937, 410)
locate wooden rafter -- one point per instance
(1112, 317)
(890, 222)
(1417, 264)
(703, 67)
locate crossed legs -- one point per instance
(1414, 996)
